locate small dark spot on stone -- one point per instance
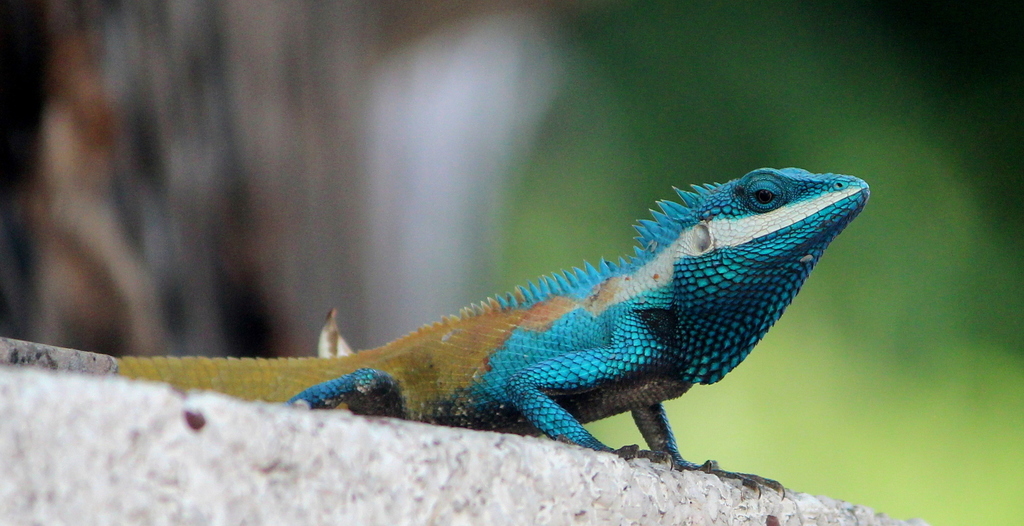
(270, 468)
(772, 521)
(195, 420)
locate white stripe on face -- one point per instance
(726, 232)
(705, 237)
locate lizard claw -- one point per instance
(753, 482)
(709, 466)
(750, 481)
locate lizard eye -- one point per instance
(763, 194)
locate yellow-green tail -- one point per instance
(430, 363)
(270, 380)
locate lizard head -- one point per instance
(773, 214)
(743, 250)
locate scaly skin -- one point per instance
(709, 279)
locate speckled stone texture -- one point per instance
(78, 449)
(17, 352)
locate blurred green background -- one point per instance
(896, 379)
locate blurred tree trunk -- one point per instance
(215, 177)
(226, 145)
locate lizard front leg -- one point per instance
(530, 391)
(654, 426)
(640, 339)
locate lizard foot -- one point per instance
(634, 451)
(753, 482)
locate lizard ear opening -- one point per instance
(701, 237)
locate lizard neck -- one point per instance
(725, 305)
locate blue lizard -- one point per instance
(710, 277)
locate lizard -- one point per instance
(710, 275)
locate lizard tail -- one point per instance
(275, 380)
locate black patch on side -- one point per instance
(465, 410)
(662, 325)
(622, 396)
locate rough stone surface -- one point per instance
(17, 352)
(78, 449)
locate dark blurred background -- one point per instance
(184, 177)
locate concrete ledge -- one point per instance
(31, 354)
(82, 449)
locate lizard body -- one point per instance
(709, 278)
